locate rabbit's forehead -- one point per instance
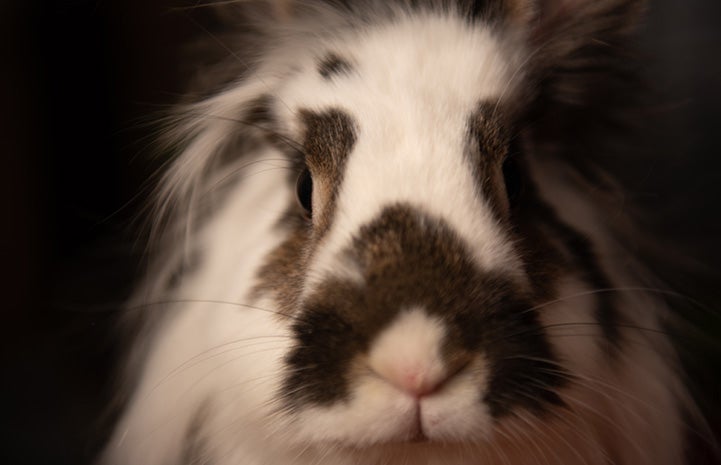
(408, 110)
(433, 74)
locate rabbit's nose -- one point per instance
(407, 354)
(418, 380)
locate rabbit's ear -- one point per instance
(241, 11)
(620, 11)
(581, 44)
(587, 85)
(571, 25)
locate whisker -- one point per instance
(171, 302)
(639, 289)
(295, 146)
(206, 355)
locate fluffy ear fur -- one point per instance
(241, 10)
(221, 109)
(589, 93)
(580, 41)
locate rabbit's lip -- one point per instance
(419, 438)
(420, 441)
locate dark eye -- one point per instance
(512, 175)
(304, 191)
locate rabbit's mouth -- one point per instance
(380, 412)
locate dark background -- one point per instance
(78, 80)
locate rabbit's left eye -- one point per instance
(304, 191)
(512, 176)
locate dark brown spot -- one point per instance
(333, 65)
(550, 248)
(493, 11)
(409, 259)
(284, 271)
(328, 141)
(579, 251)
(194, 450)
(261, 116)
(260, 112)
(488, 146)
(487, 9)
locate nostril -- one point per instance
(418, 380)
(420, 384)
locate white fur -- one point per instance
(209, 336)
(413, 85)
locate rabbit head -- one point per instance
(396, 261)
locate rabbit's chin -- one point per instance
(396, 442)
(380, 414)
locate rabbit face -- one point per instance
(412, 303)
(425, 284)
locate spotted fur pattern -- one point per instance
(413, 310)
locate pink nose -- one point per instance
(417, 381)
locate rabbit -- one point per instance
(382, 241)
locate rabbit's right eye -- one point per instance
(512, 173)
(304, 191)
(512, 178)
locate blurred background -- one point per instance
(78, 81)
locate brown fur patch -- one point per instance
(581, 258)
(512, 11)
(552, 248)
(194, 450)
(487, 9)
(409, 259)
(260, 113)
(328, 140)
(284, 271)
(488, 145)
(332, 65)
(549, 246)
(261, 116)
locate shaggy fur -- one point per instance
(449, 294)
